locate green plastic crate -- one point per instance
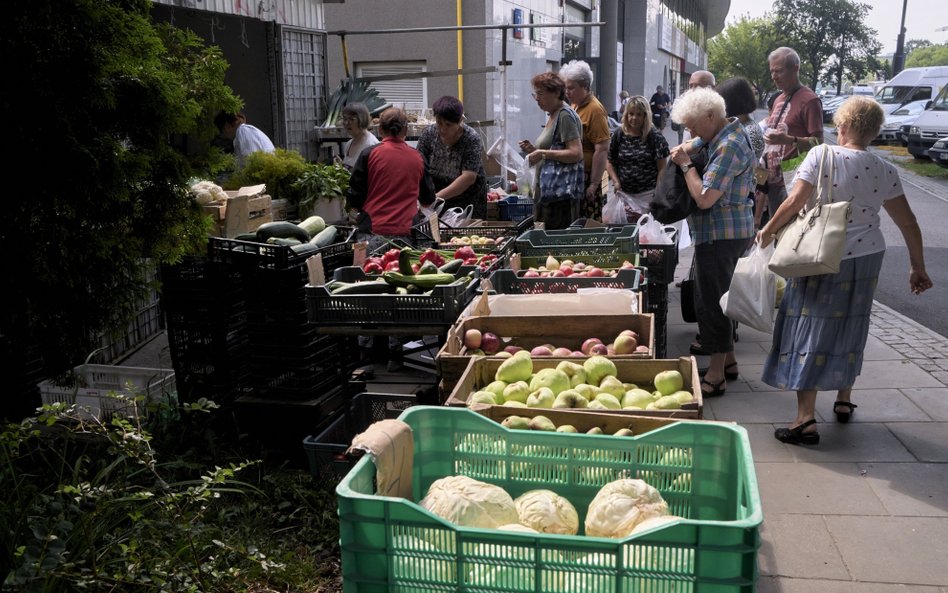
(391, 544)
(574, 243)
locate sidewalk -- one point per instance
(865, 511)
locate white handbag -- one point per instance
(812, 243)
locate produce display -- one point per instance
(409, 260)
(554, 268)
(205, 192)
(591, 385)
(477, 343)
(540, 422)
(477, 240)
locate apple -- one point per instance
(627, 264)
(595, 272)
(578, 354)
(624, 344)
(589, 343)
(541, 351)
(599, 348)
(566, 270)
(472, 338)
(580, 266)
(562, 351)
(558, 274)
(490, 343)
(629, 332)
(641, 348)
(531, 274)
(668, 382)
(512, 349)
(610, 350)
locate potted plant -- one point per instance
(323, 191)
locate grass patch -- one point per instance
(926, 169)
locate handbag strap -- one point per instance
(827, 163)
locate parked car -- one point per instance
(830, 105)
(938, 153)
(930, 126)
(903, 116)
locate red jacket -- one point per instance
(387, 182)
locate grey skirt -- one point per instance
(821, 328)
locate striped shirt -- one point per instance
(730, 171)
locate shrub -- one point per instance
(279, 170)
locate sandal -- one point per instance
(698, 350)
(843, 417)
(796, 436)
(717, 389)
(729, 375)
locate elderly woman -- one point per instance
(637, 154)
(557, 155)
(388, 182)
(592, 114)
(823, 322)
(454, 150)
(723, 224)
(356, 119)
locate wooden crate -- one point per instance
(583, 421)
(527, 332)
(243, 211)
(480, 372)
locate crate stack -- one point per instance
(206, 319)
(660, 261)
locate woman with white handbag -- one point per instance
(823, 322)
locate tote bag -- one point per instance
(673, 201)
(560, 181)
(812, 243)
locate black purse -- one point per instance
(688, 311)
(673, 201)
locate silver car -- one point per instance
(903, 116)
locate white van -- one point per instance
(930, 126)
(912, 84)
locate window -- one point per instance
(304, 86)
(412, 92)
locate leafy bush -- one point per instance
(322, 182)
(279, 170)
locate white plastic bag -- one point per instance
(525, 178)
(613, 212)
(750, 297)
(498, 150)
(652, 232)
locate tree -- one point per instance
(99, 93)
(825, 32)
(934, 55)
(741, 50)
(913, 44)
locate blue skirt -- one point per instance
(821, 328)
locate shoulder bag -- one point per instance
(812, 243)
(673, 201)
(560, 181)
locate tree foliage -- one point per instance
(932, 55)
(100, 93)
(742, 49)
(831, 36)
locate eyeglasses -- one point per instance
(537, 94)
(350, 119)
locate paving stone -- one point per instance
(853, 442)
(928, 441)
(877, 349)
(764, 447)
(909, 489)
(799, 546)
(934, 401)
(815, 489)
(740, 404)
(893, 374)
(907, 550)
(804, 585)
(875, 405)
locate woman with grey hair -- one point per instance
(356, 119)
(723, 223)
(592, 114)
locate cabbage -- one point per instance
(547, 512)
(653, 522)
(621, 505)
(470, 503)
(644, 558)
(427, 566)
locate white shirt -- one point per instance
(248, 139)
(866, 181)
(354, 147)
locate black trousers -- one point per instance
(714, 267)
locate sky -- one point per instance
(922, 18)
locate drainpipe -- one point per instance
(460, 22)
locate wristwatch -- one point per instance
(686, 167)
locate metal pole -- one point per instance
(898, 61)
(503, 106)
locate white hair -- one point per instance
(697, 102)
(791, 59)
(578, 71)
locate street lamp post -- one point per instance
(898, 60)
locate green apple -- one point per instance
(517, 391)
(570, 398)
(541, 398)
(598, 367)
(668, 382)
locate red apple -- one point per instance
(541, 351)
(596, 272)
(588, 344)
(531, 274)
(512, 349)
(610, 350)
(490, 343)
(578, 353)
(472, 338)
(599, 348)
(557, 274)
(641, 348)
(625, 344)
(629, 332)
(566, 270)
(579, 266)
(562, 351)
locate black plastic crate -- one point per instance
(280, 257)
(441, 306)
(326, 451)
(656, 302)
(509, 282)
(423, 236)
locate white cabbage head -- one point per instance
(547, 512)
(621, 505)
(470, 503)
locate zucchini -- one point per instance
(452, 267)
(428, 268)
(324, 238)
(313, 225)
(288, 242)
(282, 230)
(404, 261)
(305, 249)
(247, 237)
(371, 287)
(422, 281)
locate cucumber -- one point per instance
(313, 225)
(452, 267)
(428, 268)
(325, 237)
(422, 281)
(288, 242)
(372, 287)
(247, 237)
(305, 249)
(282, 230)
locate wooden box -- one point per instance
(243, 211)
(480, 372)
(527, 332)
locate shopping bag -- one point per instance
(652, 232)
(753, 290)
(689, 310)
(613, 212)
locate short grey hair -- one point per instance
(697, 102)
(578, 71)
(790, 57)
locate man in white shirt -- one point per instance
(247, 138)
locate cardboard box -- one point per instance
(243, 211)
(567, 331)
(480, 372)
(604, 301)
